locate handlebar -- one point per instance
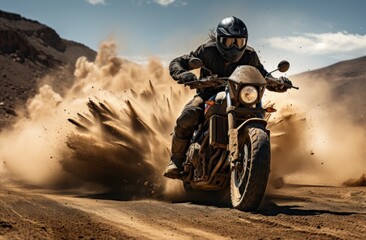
(211, 81)
(216, 82)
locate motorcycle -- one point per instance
(231, 148)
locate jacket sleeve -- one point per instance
(181, 64)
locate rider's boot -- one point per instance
(173, 169)
(175, 166)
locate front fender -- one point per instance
(252, 120)
(235, 133)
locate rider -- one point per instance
(221, 56)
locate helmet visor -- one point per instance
(228, 42)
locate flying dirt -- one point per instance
(130, 137)
(110, 132)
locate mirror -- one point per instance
(283, 66)
(195, 63)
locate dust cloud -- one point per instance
(123, 115)
(111, 130)
(315, 138)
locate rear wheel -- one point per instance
(250, 174)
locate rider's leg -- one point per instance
(187, 122)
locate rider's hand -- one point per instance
(285, 84)
(186, 77)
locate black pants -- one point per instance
(187, 122)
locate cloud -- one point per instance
(341, 43)
(169, 2)
(96, 2)
(164, 2)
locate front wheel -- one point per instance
(250, 173)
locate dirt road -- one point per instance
(293, 212)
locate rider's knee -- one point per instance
(189, 118)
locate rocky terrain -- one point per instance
(29, 51)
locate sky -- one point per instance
(310, 34)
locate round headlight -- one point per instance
(248, 95)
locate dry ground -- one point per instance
(293, 212)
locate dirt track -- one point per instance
(294, 212)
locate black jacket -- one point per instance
(213, 61)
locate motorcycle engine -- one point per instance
(192, 154)
(194, 159)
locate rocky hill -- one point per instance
(30, 50)
(347, 82)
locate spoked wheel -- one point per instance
(250, 175)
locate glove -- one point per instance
(186, 77)
(285, 84)
(284, 80)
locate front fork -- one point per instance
(232, 132)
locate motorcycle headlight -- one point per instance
(248, 95)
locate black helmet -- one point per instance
(231, 38)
